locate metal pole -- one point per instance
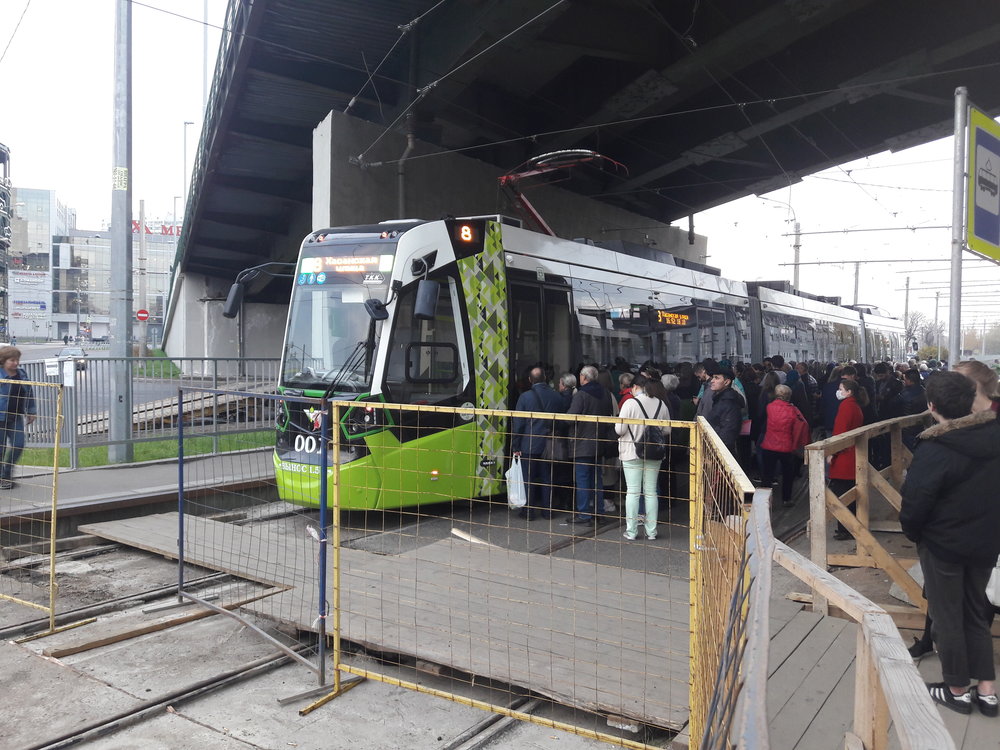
(796, 246)
(120, 320)
(857, 275)
(937, 331)
(957, 227)
(324, 432)
(143, 325)
(906, 306)
(185, 183)
(180, 495)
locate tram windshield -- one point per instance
(331, 338)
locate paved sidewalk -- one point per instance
(83, 490)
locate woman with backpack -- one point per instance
(641, 450)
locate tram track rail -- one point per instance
(478, 735)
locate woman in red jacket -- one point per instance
(787, 431)
(842, 469)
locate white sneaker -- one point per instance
(610, 508)
(630, 537)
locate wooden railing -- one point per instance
(887, 684)
(886, 482)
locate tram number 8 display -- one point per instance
(307, 444)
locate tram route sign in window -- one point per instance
(983, 193)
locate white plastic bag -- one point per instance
(517, 493)
(993, 587)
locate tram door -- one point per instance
(541, 331)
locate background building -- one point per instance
(59, 278)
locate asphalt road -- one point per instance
(94, 389)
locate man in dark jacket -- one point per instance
(726, 416)
(17, 410)
(911, 400)
(590, 399)
(531, 438)
(887, 387)
(951, 511)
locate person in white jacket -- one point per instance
(640, 474)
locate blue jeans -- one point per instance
(641, 477)
(585, 474)
(11, 446)
(538, 481)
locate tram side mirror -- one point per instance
(426, 302)
(234, 300)
(376, 309)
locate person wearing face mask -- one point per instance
(842, 468)
(17, 408)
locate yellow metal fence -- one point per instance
(28, 497)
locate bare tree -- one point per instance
(929, 331)
(912, 324)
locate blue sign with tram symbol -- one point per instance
(983, 195)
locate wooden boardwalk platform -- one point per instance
(595, 637)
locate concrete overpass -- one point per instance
(702, 102)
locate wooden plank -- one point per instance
(152, 627)
(788, 679)
(817, 517)
(890, 493)
(914, 714)
(785, 643)
(830, 727)
(821, 671)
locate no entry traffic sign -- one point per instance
(142, 314)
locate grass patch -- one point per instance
(157, 365)
(97, 455)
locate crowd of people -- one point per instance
(765, 413)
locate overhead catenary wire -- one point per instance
(422, 92)
(404, 29)
(14, 32)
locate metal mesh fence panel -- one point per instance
(30, 412)
(720, 586)
(432, 581)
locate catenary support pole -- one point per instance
(957, 228)
(120, 322)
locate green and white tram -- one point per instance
(453, 312)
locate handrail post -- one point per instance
(817, 520)
(215, 406)
(863, 481)
(896, 448)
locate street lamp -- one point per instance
(185, 183)
(797, 244)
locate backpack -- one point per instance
(653, 443)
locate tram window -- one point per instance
(628, 326)
(558, 331)
(431, 363)
(423, 364)
(525, 329)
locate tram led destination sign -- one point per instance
(667, 318)
(326, 264)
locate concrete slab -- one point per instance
(45, 699)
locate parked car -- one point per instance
(74, 353)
